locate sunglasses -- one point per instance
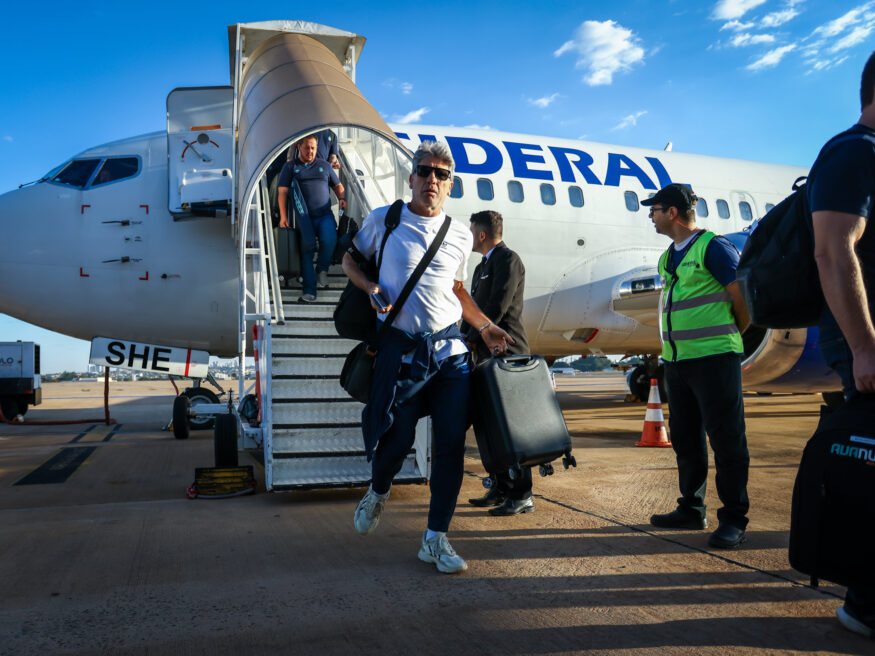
(424, 171)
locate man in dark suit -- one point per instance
(497, 288)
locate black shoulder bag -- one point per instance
(358, 369)
(354, 318)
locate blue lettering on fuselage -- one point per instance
(481, 157)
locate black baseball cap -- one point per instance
(676, 195)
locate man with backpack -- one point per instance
(702, 320)
(842, 199)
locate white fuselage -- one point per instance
(74, 266)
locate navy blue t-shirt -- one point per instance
(721, 259)
(326, 144)
(315, 180)
(845, 182)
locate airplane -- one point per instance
(156, 248)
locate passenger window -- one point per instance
(702, 208)
(769, 207)
(77, 172)
(456, 191)
(117, 168)
(631, 201)
(575, 196)
(548, 194)
(515, 191)
(484, 189)
(722, 209)
(746, 213)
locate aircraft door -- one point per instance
(200, 151)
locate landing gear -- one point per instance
(639, 378)
(197, 395)
(181, 406)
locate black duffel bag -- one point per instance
(354, 318)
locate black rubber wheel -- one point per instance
(22, 407)
(181, 404)
(9, 406)
(225, 441)
(639, 384)
(199, 395)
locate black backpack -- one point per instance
(777, 274)
(832, 519)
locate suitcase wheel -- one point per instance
(487, 482)
(513, 473)
(546, 470)
(569, 461)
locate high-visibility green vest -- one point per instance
(697, 317)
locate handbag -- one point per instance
(357, 374)
(354, 318)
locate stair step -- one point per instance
(307, 327)
(318, 440)
(330, 295)
(309, 310)
(317, 413)
(306, 366)
(333, 471)
(307, 389)
(321, 346)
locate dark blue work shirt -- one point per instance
(326, 144)
(721, 259)
(315, 180)
(844, 181)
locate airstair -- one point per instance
(294, 79)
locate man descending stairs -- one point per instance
(316, 438)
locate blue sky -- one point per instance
(766, 80)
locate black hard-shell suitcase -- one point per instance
(832, 518)
(517, 420)
(288, 252)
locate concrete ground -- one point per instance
(116, 560)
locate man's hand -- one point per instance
(864, 371)
(342, 204)
(375, 289)
(284, 223)
(494, 337)
(335, 163)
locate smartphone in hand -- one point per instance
(380, 301)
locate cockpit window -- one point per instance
(116, 168)
(77, 173)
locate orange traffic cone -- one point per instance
(654, 425)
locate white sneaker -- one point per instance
(367, 513)
(439, 551)
(322, 279)
(307, 298)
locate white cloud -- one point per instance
(629, 121)
(8, 138)
(771, 59)
(731, 9)
(394, 83)
(406, 88)
(855, 36)
(411, 117)
(544, 102)
(603, 49)
(824, 64)
(777, 18)
(736, 26)
(840, 24)
(746, 39)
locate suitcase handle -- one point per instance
(517, 362)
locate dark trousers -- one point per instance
(704, 395)
(445, 399)
(837, 355)
(326, 232)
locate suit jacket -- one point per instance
(497, 288)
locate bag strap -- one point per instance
(414, 277)
(392, 221)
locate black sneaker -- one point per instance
(679, 519)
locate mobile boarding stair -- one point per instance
(308, 428)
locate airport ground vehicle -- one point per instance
(20, 383)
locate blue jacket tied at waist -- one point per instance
(387, 388)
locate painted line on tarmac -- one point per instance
(82, 434)
(665, 538)
(59, 467)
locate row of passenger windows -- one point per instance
(79, 172)
(515, 192)
(744, 208)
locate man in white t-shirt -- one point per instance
(423, 363)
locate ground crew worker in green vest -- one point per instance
(703, 317)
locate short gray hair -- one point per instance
(437, 149)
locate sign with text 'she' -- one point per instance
(149, 357)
